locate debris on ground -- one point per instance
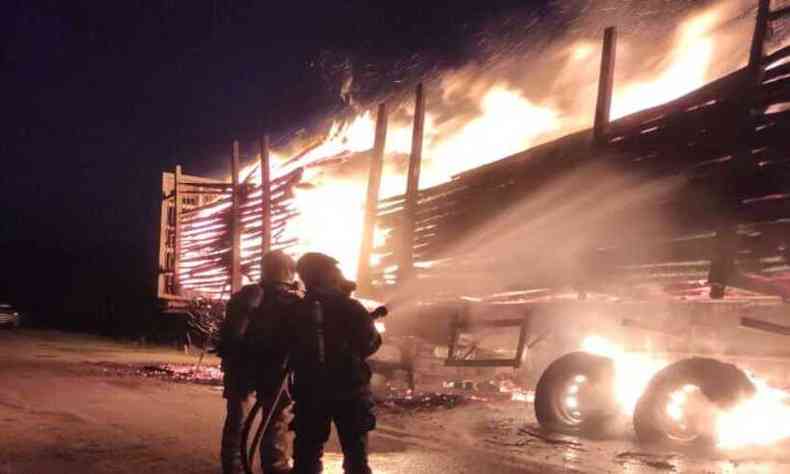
(656, 461)
(467, 385)
(184, 373)
(400, 400)
(418, 401)
(499, 388)
(506, 444)
(660, 465)
(551, 440)
(516, 392)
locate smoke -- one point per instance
(548, 240)
(531, 77)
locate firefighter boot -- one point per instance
(230, 451)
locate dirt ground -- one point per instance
(61, 412)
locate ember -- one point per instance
(184, 373)
(421, 401)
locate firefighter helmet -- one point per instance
(314, 267)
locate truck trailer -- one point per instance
(660, 239)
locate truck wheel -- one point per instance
(679, 405)
(575, 394)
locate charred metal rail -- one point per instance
(458, 325)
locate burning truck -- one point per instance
(638, 268)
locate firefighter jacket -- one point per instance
(328, 353)
(237, 317)
(263, 348)
(254, 311)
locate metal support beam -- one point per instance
(477, 363)
(522, 343)
(460, 322)
(406, 261)
(163, 269)
(266, 200)
(455, 333)
(722, 266)
(651, 326)
(364, 286)
(605, 84)
(756, 66)
(177, 203)
(765, 326)
(779, 14)
(235, 262)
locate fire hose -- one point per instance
(248, 450)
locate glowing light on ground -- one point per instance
(380, 464)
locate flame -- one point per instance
(328, 212)
(516, 392)
(356, 136)
(508, 123)
(499, 119)
(633, 371)
(761, 420)
(583, 51)
(687, 69)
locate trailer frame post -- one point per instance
(757, 52)
(603, 105)
(177, 203)
(266, 199)
(235, 258)
(364, 284)
(722, 265)
(164, 270)
(406, 260)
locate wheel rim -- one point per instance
(572, 400)
(683, 413)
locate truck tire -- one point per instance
(586, 380)
(715, 383)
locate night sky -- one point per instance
(100, 97)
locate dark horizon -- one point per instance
(103, 98)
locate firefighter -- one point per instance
(331, 335)
(246, 371)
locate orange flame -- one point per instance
(686, 70)
(761, 420)
(633, 371)
(507, 121)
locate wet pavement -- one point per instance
(58, 414)
(511, 430)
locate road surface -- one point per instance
(60, 412)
